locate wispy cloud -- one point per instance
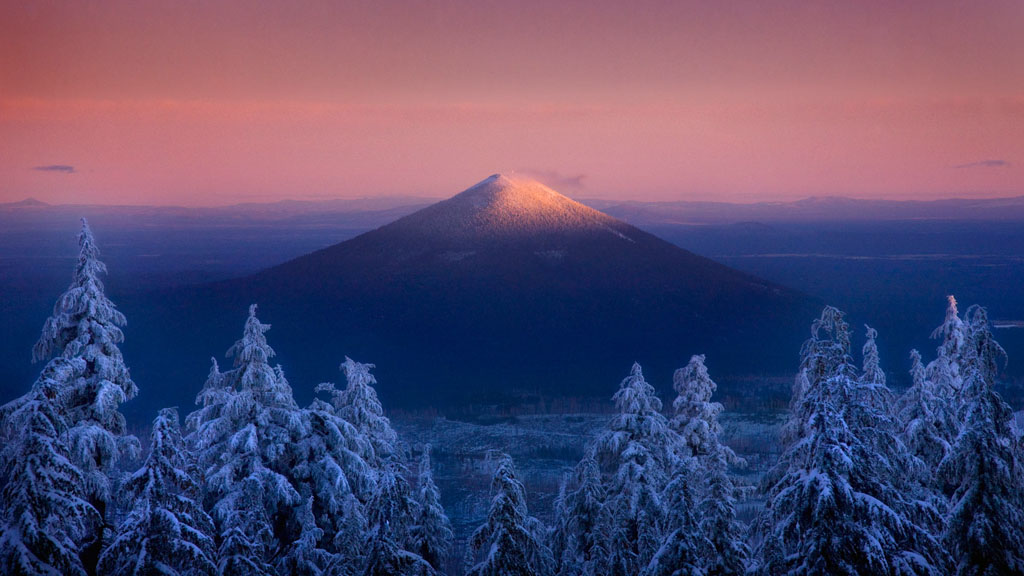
(556, 179)
(984, 164)
(58, 168)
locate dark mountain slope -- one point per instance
(506, 287)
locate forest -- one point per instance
(925, 481)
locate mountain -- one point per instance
(506, 288)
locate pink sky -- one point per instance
(221, 102)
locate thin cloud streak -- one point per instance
(57, 168)
(556, 179)
(985, 164)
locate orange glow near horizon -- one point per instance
(199, 103)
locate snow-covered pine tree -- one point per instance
(695, 416)
(85, 324)
(248, 434)
(431, 535)
(166, 531)
(928, 426)
(331, 473)
(840, 500)
(684, 549)
(45, 515)
(208, 425)
(946, 370)
(509, 542)
(636, 452)
(986, 527)
(827, 352)
(245, 535)
(393, 506)
(391, 513)
(386, 558)
(558, 531)
(306, 555)
(585, 523)
(728, 553)
(872, 373)
(812, 511)
(712, 530)
(358, 405)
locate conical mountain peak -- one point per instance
(505, 205)
(506, 287)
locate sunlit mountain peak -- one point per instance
(509, 205)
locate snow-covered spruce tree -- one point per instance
(946, 370)
(585, 523)
(247, 434)
(986, 527)
(166, 531)
(391, 514)
(705, 481)
(636, 452)
(244, 530)
(306, 555)
(331, 473)
(871, 373)
(45, 514)
(821, 355)
(558, 531)
(827, 352)
(695, 416)
(85, 324)
(509, 543)
(431, 536)
(386, 558)
(684, 549)
(840, 500)
(394, 506)
(728, 553)
(928, 426)
(358, 405)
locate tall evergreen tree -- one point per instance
(391, 512)
(928, 424)
(333, 476)
(637, 452)
(85, 324)
(358, 405)
(585, 523)
(685, 548)
(44, 510)
(167, 531)
(431, 535)
(248, 434)
(728, 554)
(986, 526)
(509, 542)
(696, 415)
(306, 555)
(841, 502)
(710, 532)
(946, 370)
(393, 506)
(872, 375)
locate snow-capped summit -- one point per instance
(503, 206)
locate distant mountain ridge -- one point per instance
(636, 212)
(506, 288)
(823, 208)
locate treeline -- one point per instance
(929, 482)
